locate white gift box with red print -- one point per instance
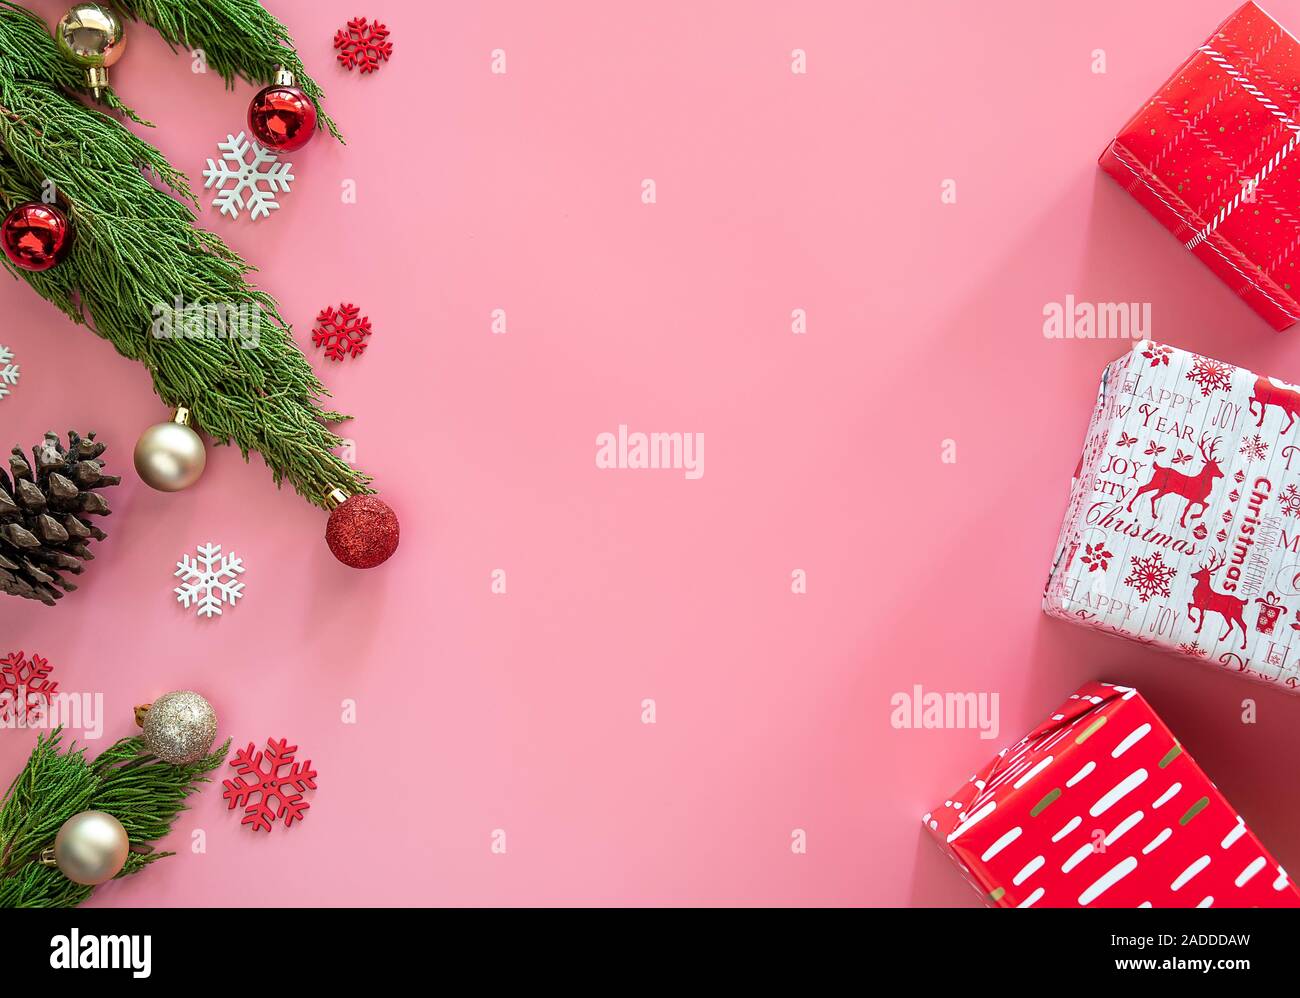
(1100, 806)
(1183, 526)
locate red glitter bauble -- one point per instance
(362, 532)
(35, 236)
(282, 118)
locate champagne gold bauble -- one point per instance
(170, 457)
(179, 727)
(91, 848)
(91, 36)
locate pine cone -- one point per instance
(44, 529)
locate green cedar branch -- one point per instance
(141, 791)
(239, 39)
(137, 249)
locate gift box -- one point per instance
(1213, 155)
(1100, 806)
(1183, 524)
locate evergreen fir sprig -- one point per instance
(240, 39)
(137, 248)
(24, 51)
(140, 790)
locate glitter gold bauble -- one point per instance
(179, 727)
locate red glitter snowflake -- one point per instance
(1096, 557)
(1150, 576)
(25, 680)
(341, 332)
(1211, 375)
(363, 45)
(280, 794)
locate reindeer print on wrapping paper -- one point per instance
(1194, 490)
(1266, 394)
(1206, 600)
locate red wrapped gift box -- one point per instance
(1213, 155)
(1100, 806)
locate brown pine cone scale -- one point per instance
(44, 505)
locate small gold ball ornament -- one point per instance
(91, 36)
(91, 848)
(179, 727)
(170, 456)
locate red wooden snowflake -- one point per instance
(363, 45)
(341, 332)
(280, 793)
(26, 682)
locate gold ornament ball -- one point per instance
(91, 847)
(91, 36)
(180, 727)
(170, 457)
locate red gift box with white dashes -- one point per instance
(1215, 156)
(1100, 806)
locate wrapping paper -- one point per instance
(1183, 524)
(1099, 806)
(1213, 155)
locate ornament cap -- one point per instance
(181, 416)
(335, 498)
(283, 77)
(140, 711)
(47, 857)
(97, 80)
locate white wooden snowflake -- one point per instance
(8, 370)
(246, 176)
(209, 581)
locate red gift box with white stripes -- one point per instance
(1215, 156)
(1100, 806)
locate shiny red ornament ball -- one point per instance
(282, 118)
(362, 532)
(35, 236)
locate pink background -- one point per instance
(776, 191)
